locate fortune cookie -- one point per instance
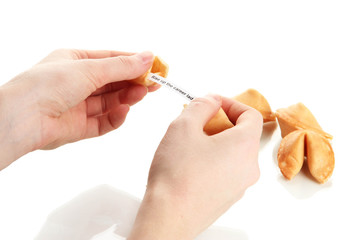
(317, 149)
(159, 67)
(254, 99)
(298, 117)
(291, 153)
(303, 137)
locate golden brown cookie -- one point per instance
(254, 99)
(317, 149)
(159, 67)
(296, 117)
(291, 153)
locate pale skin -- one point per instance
(76, 94)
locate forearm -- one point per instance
(16, 120)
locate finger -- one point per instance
(234, 109)
(75, 54)
(97, 126)
(116, 86)
(96, 54)
(102, 104)
(247, 119)
(153, 88)
(201, 110)
(112, 87)
(113, 69)
(113, 119)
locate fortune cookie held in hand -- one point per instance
(159, 67)
(251, 98)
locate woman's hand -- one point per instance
(68, 96)
(195, 178)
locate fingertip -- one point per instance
(146, 57)
(234, 109)
(251, 122)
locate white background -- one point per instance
(290, 51)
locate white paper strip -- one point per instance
(166, 83)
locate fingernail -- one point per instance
(146, 57)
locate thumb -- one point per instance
(113, 69)
(201, 110)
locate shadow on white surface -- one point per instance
(268, 130)
(303, 185)
(106, 213)
(213, 233)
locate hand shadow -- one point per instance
(107, 213)
(303, 185)
(90, 213)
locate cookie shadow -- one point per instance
(267, 133)
(303, 185)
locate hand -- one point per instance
(68, 96)
(195, 178)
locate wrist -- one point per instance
(161, 216)
(16, 121)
